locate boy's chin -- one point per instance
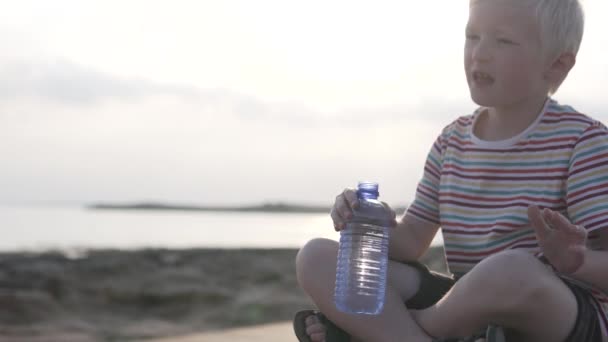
(482, 101)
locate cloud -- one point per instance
(249, 108)
(67, 83)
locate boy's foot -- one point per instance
(313, 326)
(315, 329)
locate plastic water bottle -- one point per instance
(363, 256)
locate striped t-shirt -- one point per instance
(479, 191)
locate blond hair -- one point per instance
(561, 24)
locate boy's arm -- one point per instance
(564, 245)
(586, 196)
(410, 238)
(595, 266)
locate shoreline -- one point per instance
(262, 208)
(108, 295)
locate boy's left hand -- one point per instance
(563, 243)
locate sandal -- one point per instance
(494, 333)
(332, 334)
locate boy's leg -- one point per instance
(512, 289)
(316, 270)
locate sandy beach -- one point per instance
(152, 295)
(273, 332)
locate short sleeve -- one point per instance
(426, 203)
(587, 185)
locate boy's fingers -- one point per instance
(336, 218)
(341, 211)
(537, 222)
(351, 198)
(555, 220)
(551, 219)
(578, 249)
(581, 232)
(559, 222)
(343, 208)
(562, 223)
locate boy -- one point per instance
(540, 273)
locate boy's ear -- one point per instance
(560, 68)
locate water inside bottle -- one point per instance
(361, 274)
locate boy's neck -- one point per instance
(501, 123)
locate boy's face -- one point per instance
(503, 58)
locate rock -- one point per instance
(20, 307)
(122, 295)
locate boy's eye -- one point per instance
(506, 41)
(472, 36)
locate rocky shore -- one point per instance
(112, 295)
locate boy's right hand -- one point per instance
(345, 203)
(342, 211)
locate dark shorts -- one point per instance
(433, 286)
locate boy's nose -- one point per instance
(482, 52)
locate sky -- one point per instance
(238, 102)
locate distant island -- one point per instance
(266, 207)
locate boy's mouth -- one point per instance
(482, 78)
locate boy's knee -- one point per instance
(512, 262)
(512, 277)
(312, 257)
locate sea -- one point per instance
(72, 228)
